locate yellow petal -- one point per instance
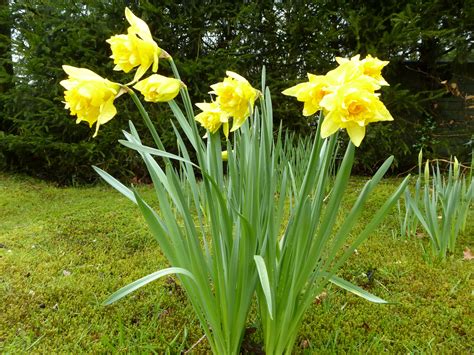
(236, 76)
(310, 108)
(295, 90)
(225, 128)
(67, 84)
(204, 106)
(138, 26)
(328, 126)
(356, 133)
(140, 72)
(154, 69)
(81, 73)
(108, 111)
(382, 113)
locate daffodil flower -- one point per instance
(311, 92)
(89, 96)
(136, 48)
(370, 66)
(159, 88)
(352, 107)
(236, 97)
(212, 117)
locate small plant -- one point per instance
(443, 205)
(407, 218)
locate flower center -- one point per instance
(355, 108)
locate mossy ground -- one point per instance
(64, 250)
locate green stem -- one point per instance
(188, 106)
(184, 91)
(146, 118)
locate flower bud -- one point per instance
(427, 172)
(456, 167)
(158, 88)
(225, 155)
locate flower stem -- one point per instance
(184, 91)
(146, 118)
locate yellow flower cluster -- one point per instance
(235, 98)
(91, 97)
(346, 95)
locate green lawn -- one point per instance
(64, 250)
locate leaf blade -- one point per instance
(144, 281)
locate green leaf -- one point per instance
(153, 151)
(264, 281)
(115, 184)
(356, 290)
(143, 281)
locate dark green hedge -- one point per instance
(426, 42)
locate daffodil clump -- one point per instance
(346, 95)
(225, 227)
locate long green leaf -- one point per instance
(264, 281)
(143, 281)
(115, 184)
(153, 151)
(356, 290)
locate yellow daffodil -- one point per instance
(89, 96)
(352, 107)
(236, 97)
(311, 92)
(370, 66)
(136, 48)
(212, 117)
(158, 88)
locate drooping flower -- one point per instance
(89, 96)
(158, 88)
(311, 92)
(136, 48)
(236, 97)
(352, 107)
(212, 117)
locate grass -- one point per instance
(64, 250)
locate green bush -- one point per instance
(426, 43)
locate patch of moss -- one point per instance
(64, 250)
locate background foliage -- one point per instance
(429, 45)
